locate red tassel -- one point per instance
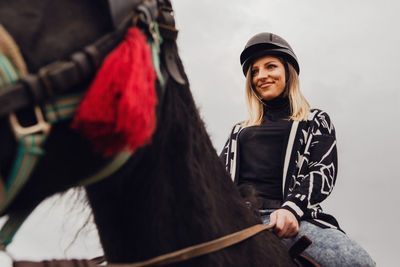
(118, 110)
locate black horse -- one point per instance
(171, 194)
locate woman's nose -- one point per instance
(262, 74)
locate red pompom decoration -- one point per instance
(118, 110)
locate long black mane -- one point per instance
(171, 194)
(176, 193)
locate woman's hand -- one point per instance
(286, 224)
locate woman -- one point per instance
(287, 152)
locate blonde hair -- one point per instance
(299, 107)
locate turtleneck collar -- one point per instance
(277, 108)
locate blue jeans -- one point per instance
(330, 247)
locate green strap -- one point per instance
(155, 50)
(11, 226)
(109, 169)
(8, 73)
(28, 153)
(62, 108)
(29, 147)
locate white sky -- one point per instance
(349, 58)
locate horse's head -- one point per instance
(50, 54)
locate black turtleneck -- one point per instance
(263, 147)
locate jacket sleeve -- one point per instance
(317, 169)
(224, 153)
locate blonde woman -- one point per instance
(287, 153)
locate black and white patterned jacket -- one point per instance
(310, 166)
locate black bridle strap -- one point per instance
(169, 33)
(60, 77)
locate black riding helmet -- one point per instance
(267, 43)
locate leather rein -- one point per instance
(165, 259)
(200, 249)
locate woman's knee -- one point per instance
(348, 256)
(332, 247)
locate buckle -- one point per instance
(21, 131)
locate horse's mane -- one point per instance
(179, 183)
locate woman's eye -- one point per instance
(271, 66)
(254, 72)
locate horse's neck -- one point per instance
(173, 194)
(155, 212)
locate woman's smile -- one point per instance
(265, 84)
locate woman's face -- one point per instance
(268, 77)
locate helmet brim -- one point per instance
(279, 52)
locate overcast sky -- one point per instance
(349, 59)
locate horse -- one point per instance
(173, 192)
